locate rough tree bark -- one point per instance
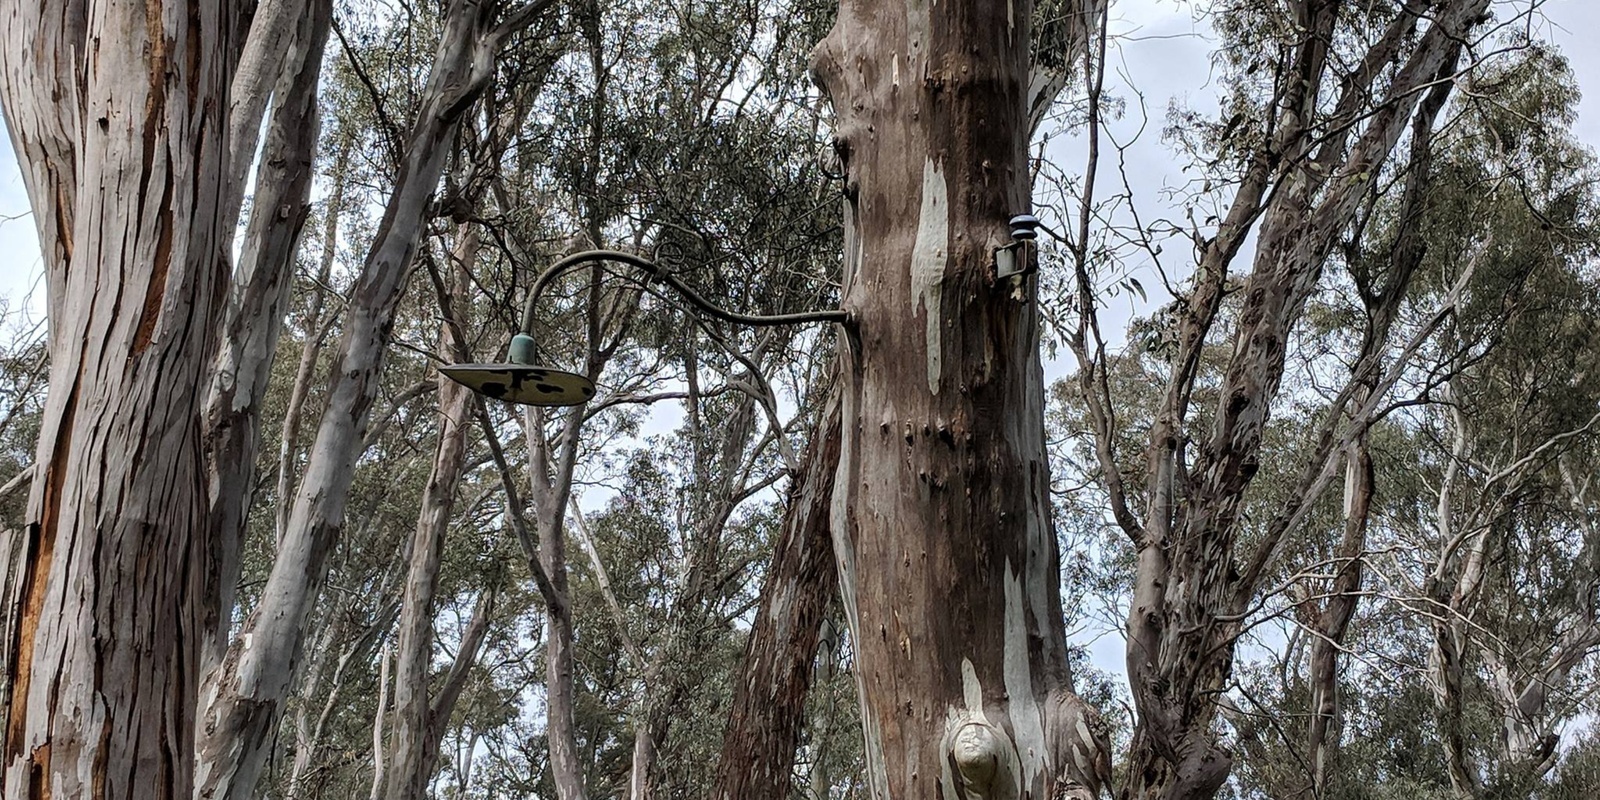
(117, 114)
(948, 565)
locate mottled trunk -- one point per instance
(244, 698)
(116, 113)
(948, 566)
(411, 762)
(768, 712)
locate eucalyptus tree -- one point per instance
(947, 561)
(1321, 95)
(1483, 219)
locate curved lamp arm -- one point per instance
(658, 273)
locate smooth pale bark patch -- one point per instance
(929, 258)
(1026, 722)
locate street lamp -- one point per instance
(519, 380)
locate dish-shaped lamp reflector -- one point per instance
(521, 383)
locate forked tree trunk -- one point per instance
(948, 566)
(1382, 295)
(117, 111)
(1194, 583)
(254, 318)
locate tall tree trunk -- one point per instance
(379, 761)
(768, 712)
(316, 330)
(117, 114)
(948, 565)
(411, 763)
(551, 496)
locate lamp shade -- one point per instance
(522, 383)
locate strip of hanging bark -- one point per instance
(768, 712)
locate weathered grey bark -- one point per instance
(276, 29)
(411, 759)
(243, 699)
(948, 565)
(254, 319)
(117, 118)
(768, 712)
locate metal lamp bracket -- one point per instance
(1012, 260)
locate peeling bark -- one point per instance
(266, 52)
(116, 115)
